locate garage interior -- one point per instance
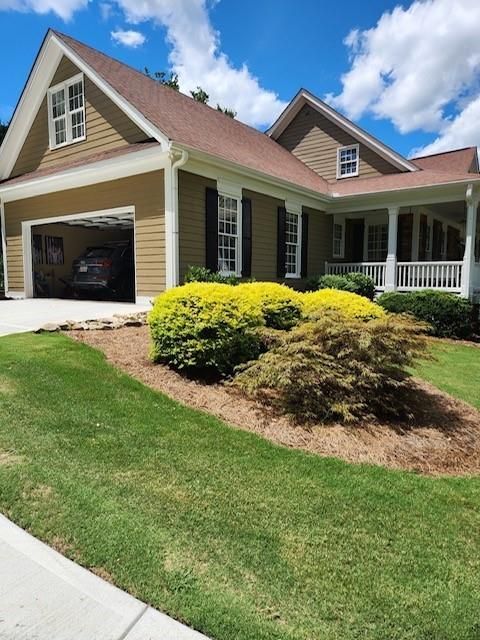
(56, 246)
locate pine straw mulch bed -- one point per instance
(444, 437)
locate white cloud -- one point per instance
(106, 10)
(416, 67)
(63, 8)
(462, 131)
(128, 38)
(198, 60)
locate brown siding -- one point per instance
(191, 219)
(320, 239)
(314, 140)
(145, 191)
(404, 237)
(107, 127)
(264, 230)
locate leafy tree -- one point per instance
(199, 95)
(3, 130)
(231, 113)
(161, 77)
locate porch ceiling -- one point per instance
(455, 211)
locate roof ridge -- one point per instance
(443, 153)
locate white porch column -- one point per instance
(391, 266)
(470, 231)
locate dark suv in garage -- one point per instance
(105, 271)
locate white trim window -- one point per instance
(377, 242)
(229, 235)
(338, 239)
(66, 112)
(348, 160)
(293, 244)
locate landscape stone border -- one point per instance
(98, 324)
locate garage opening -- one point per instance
(90, 258)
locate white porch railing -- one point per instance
(375, 270)
(410, 276)
(446, 276)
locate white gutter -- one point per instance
(177, 158)
(125, 165)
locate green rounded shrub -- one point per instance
(357, 283)
(202, 274)
(280, 305)
(448, 315)
(205, 326)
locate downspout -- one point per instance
(178, 158)
(4, 246)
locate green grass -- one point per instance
(454, 369)
(237, 537)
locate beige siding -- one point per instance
(145, 192)
(107, 127)
(264, 230)
(314, 140)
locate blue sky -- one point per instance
(284, 45)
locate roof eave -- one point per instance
(194, 153)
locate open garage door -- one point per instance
(88, 257)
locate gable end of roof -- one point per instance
(306, 97)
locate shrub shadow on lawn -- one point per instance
(442, 438)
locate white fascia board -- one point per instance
(27, 108)
(412, 196)
(119, 100)
(129, 164)
(304, 97)
(219, 169)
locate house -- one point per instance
(98, 152)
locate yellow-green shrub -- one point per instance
(349, 304)
(205, 326)
(281, 306)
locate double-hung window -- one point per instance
(229, 235)
(66, 112)
(348, 159)
(377, 242)
(338, 240)
(293, 244)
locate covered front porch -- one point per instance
(408, 248)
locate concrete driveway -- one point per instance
(17, 316)
(45, 596)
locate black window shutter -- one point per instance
(211, 227)
(246, 237)
(281, 242)
(304, 260)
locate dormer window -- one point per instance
(66, 112)
(348, 161)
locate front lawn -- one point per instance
(454, 369)
(237, 537)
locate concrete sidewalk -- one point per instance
(44, 596)
(17, 316)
